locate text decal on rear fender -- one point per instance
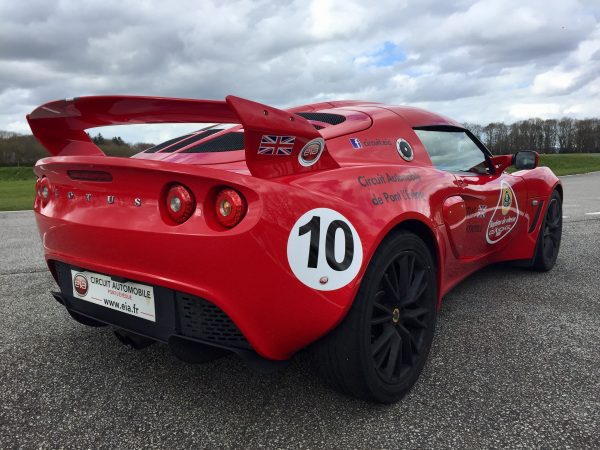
(505, 215)
(324, 250)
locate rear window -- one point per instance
(224, 143)
(453, 151)
(159, 147)
(175, 144)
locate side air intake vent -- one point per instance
(225, 143)
(332, 119)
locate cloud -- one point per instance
(555, 81)
(541, 110)
(475, 61)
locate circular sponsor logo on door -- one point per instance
(80, 283)
(505, 215)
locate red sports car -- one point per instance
(340, 224)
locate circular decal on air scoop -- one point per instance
(80, 283)
(311, 152)
(324, 250)
(404, 150)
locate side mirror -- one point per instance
(526, 160)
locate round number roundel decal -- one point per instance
(324, 250)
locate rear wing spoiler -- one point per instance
(276, 142)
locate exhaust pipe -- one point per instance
(132, 340)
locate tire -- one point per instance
(548, 242)
(380, 348)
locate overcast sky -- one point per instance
(475, 61)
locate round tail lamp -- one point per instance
(43, 190)
(180, 203)
(230, 207)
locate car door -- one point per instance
(481, 219)
(492, 210)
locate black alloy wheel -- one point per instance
(550, 235)
(400, 317)
(379, 350)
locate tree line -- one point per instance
(564, 135)
(24, 149)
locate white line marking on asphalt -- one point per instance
(20, 210)
(597, 213)
(570, 206)
(566, 217)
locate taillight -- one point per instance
(43, 190)
(180, 203)
(230, 207)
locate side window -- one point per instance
(453, 151)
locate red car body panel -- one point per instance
(245, 270)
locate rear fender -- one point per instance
(385, 198)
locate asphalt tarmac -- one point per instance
(515, 363)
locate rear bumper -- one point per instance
(245, 275)
(180, 318)
(176, 313)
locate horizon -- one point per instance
(168, 131)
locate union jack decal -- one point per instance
(276, 145)
(481, 210)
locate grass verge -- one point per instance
(17, 188)
(571, 164)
